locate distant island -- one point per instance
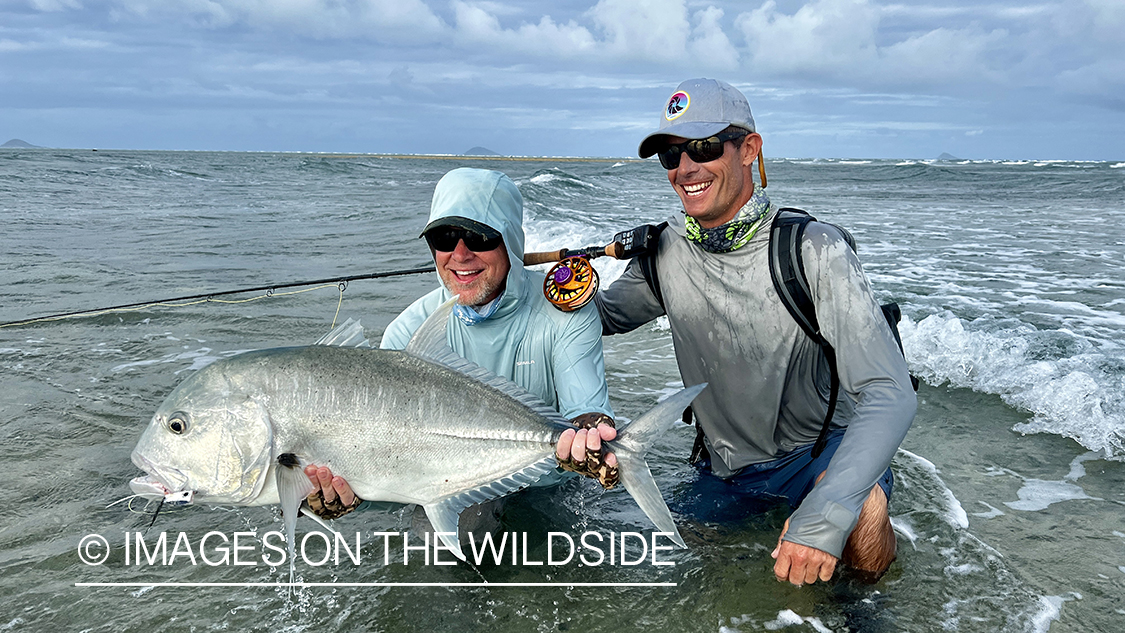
(945, 156)
(480, 151)
(18, 144)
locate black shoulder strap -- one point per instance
(647, 262)
(787, 271)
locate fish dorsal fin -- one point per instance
(429, 339)
(347, 334)
(430, 343)
(445, 514)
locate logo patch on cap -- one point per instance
(677, 105)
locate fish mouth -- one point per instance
(161, 480)
(147, 487)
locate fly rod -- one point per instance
(342, 282)
(570, 284)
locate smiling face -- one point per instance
(475, 278)
(714, 191)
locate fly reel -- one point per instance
(571, 284)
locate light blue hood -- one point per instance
(491, 198)
(554, 355)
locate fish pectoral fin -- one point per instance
(293, 486)
(444, 516)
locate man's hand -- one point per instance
(581, 451)
(801, 564)
(333, 497)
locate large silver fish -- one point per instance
(420, 426)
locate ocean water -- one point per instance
(1010, 487)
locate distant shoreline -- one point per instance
(574, 159)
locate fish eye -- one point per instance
(178, 423)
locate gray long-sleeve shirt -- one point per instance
(768, 382)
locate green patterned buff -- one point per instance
(734, 234)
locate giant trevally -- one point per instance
(422, 426)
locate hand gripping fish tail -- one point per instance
(422, 426)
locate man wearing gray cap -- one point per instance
(767, 400)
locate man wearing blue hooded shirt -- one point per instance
(503, 322)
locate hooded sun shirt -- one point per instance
(553, 354)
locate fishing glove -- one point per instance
(330, 509)
(594, 465)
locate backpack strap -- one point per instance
(787, 270)
(647, 262)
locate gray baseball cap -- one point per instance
(697, 109)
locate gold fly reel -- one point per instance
(571, 284)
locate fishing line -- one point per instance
(154, 515)
(269, 291)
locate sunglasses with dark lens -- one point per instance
(702, 150)
(445, 238)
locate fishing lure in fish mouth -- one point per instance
(148, 488)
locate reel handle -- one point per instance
(531, 259)
(614, 249)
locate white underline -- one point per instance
(375, 584)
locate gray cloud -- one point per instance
(825, 77)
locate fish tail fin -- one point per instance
(632, 444)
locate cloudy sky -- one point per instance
(825, 78)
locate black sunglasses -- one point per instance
(445, 238)
(703, 150)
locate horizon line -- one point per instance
(572, 159)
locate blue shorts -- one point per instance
(788, 478)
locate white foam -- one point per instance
(1050, 608)
(788, 617)
(905, 528)
(1117, 166)
(1078, 396)
(992, 513)
(1038, 494)
(954, 514)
